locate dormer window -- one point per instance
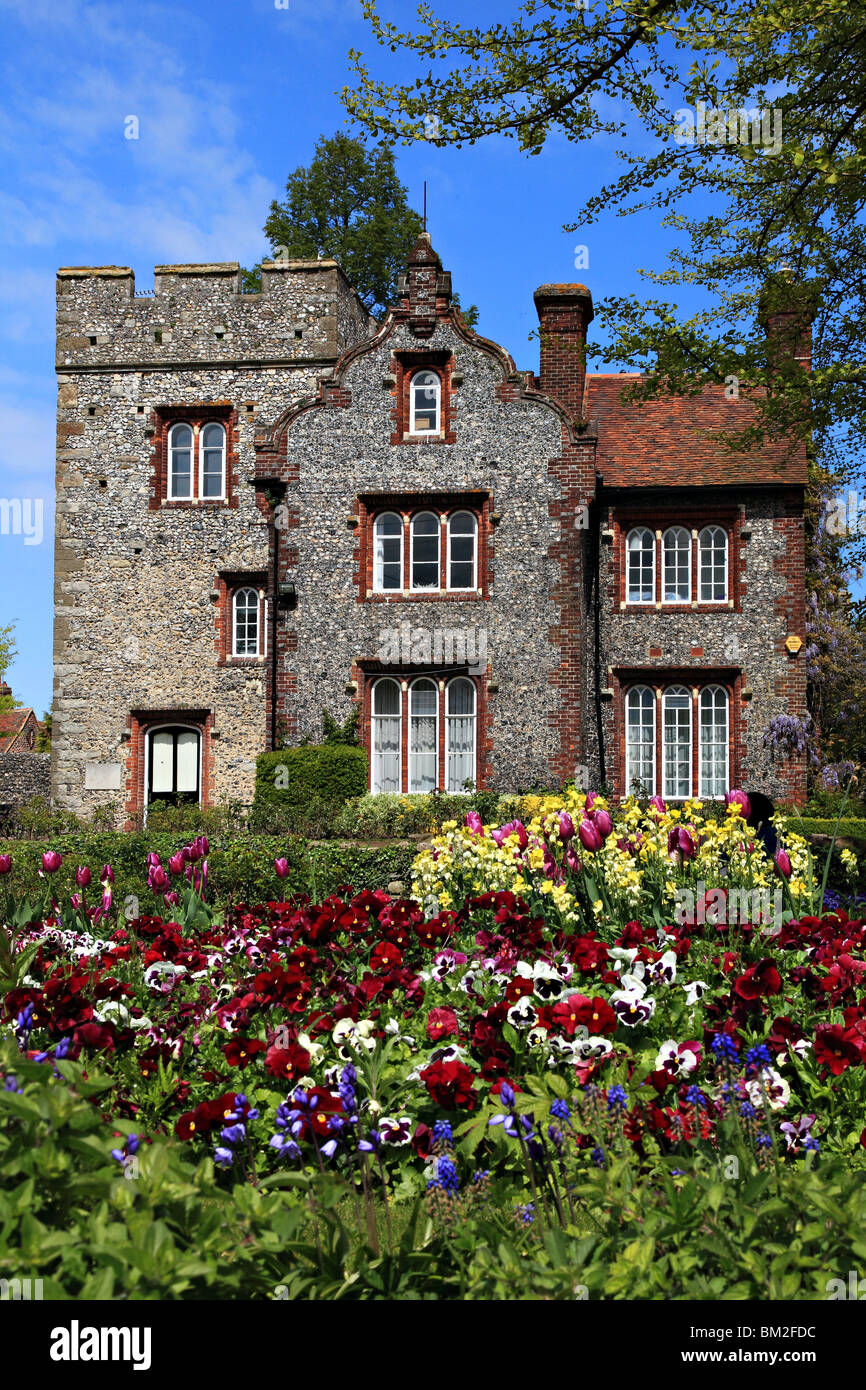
(425, 403)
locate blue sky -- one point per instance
(230, 96)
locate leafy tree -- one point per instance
(8, 653)
(785, 213)
(43, 738)
(350, 205)
(347, 732)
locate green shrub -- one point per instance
(293, 777)
(240, 868)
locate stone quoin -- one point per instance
(270, 504)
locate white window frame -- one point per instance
(640, 531)
(630, 773)
(414, 386)
(419, 681)
(449, 718)
(157, 728)
(425, 588)
(170, 492)
(212, 424)
(714, 690)
(667, 693)
(261, 625)
(378, 577)
(467, 588)
(374, 718)
(707, 533)
(676, 531)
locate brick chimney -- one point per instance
(786, 311)
(4, 689)
(564, 315)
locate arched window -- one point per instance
(640, 740)
(640, 549)
(676, 565)
(677, 743)
(462, 532)
(713, 745)
(388, 553)
(713, 565)
(386, 768)
(180, 451)
(459, 735)
(423, 736)
(426, 532)
(425, 399)
(245, 624)
(213, 460)
(173, 765)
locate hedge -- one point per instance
(293, 777)
(240, 868)
(850, 828)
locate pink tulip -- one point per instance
(738, 798)
(514, 827)
(783, 863)
(566, 827)
(591, 799)
(5, 863)
(171, 899)
(658, 804)
(176, 863)
(107, 875)
(572, 860)
(153, 859)
(82, 877)
(590, 838)
(603, 823)
(158, 879)
(282, 868)
(51, 861)
(474, 823)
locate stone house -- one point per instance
(270, 505)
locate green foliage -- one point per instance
(292, 776)
(240, 868)
(8, 653)
(350, 205)
(347, 732)
(69, 1216)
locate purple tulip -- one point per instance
(658, 804)
(566, 827)
(203, 843)
(82, 877)
(603, 823)
(572, 861)
(157, 879)
(107, 875)
(281, 867)
(474, 823)
(514, 827)
(589, 802)
(783, 863)
(171, 899)
(51, 861)
(5, 863)
(191, 853)
(681, 842)
(589, 836)
(738, 798)
(549, 864)
(176, 863)
(153, 859)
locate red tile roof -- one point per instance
(669, 441)
(12, 722)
